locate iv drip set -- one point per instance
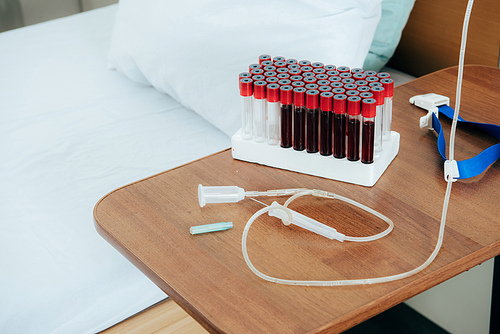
(316, 119)
(233, 194)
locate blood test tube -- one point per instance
(244, 75)
(323, 83)
(273, 114)
(345, 75)
(375, 84)
(359, 76)
(291, 61)
(348, 81)
(338, 90)
(339, 125)
(269, 68)
(378, 95)
(369, 111)
(263, 58)
(257, 71)
(361, 82)
(317, 64)
(246, 92)
(363, 89)
(366, 94)
(350, 86)
(267, 63)
(388, 85)
(352, 93)
(370, 73)
(371, 79)
(259, 77)
(383, 75)
(321, 76)
(286, 114)
(282, 70)
(304, 63)
(357, 70)
(317, 71)
(282, 76)
(312, 86)
(333, 73)
(353, 127)
(259, 111)
(280, 64)
(272, 80)
(310, 79)
(307, 74)
(335, 79)
(343, 69)
(312, 120)
(324, 89)
(284, 82)
(294, 67)
(279, 58)
(299, 119)
(306, 69)
(254, 67)
(298, 84)
(325, 123)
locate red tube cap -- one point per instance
(286, 94)
(339, 103)
(259, 88)
(388, 85)
(273, 92)
(263, 58)
(378, 94)
(383, 75)
(312, 99)
(325, 101)
(353, 105)
(369, 108)
(343, 69)
(246, 87)
(299, 94)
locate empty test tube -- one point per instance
(246, 90)
(388, 85)
(273, 113)
(378, 95)
(259, 111)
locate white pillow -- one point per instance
(194, 50)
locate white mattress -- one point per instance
(70, 132)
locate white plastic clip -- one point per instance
(429, 102)
(451, 170)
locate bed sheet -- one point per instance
(71, 131)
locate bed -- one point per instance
(72, 130)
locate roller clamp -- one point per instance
(430, 102)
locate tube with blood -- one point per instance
(369, 112)
(312, 120)
(299, 119)
(339, 125)
(325, 123)
(353, 127)
(286, 116)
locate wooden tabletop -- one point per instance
(148, 222)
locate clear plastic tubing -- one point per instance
(325, 123)
(286, 114)
(299, 119)
(378, 95)
(312, 121)
(353, 127)
(273, 114)
(246, 92)
(339, 125)
(369, 112)
(388, 85)
(259, 111)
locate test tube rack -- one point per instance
(314, 163)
